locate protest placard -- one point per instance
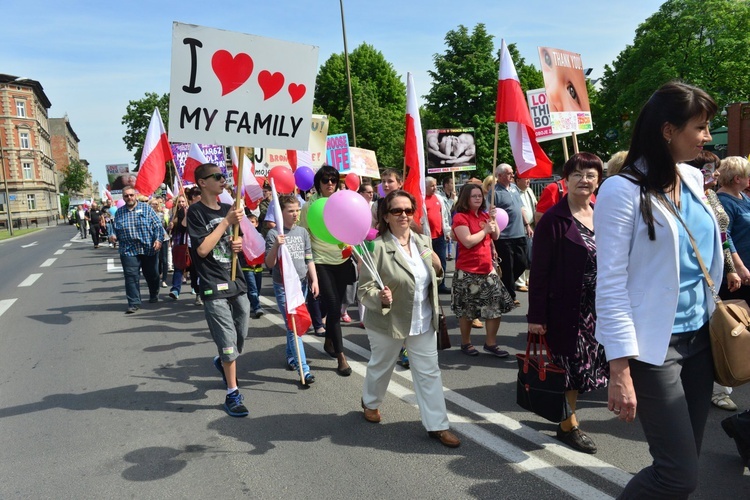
(337, 152)
(119, 176)
(566, 93)
(235, 89)
(363, 162)
(450, 150)
(213, 153)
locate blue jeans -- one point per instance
(254, 281)
(131, 268)
(177, 280)
(291, 352)
(438, 246)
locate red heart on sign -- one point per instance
(231, 71)
(296, 91)
(271, 83)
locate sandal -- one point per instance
(723, 401)
(469, 350)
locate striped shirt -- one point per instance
(137, 230)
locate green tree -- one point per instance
(463, 92)
(379, 98)
(704, 43)
(75, 177)
(137, 118)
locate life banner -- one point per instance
(567, 95)
(364, 163)
(337, 152)
(235, 89)
(450, 150)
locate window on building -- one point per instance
(25, 143)
(31, 201)
(28, 173)
(21, 109)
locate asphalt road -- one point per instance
(97, 404)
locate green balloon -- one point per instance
(316, 224)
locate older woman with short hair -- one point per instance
(403, 311)
(734, 173)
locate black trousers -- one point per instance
(512, 253)
(332, 281)
(95, 233)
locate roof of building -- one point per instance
(28, 82)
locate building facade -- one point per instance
(64, 151)
(29, 181)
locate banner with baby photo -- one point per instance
(450, 150)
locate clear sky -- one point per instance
(92, 57)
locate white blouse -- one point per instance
(421, 312)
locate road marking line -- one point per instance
(30, 245)
(48, 262)
(5, 305)
(59, 252)
(67, 245)
(30, 280)
(112, 268)
(524, 460)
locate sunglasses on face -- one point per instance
(328, 180)
(216, 175)
(398, 211)
(128, 195)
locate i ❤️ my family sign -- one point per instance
(240, 90)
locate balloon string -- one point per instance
(369, 263)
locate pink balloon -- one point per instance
(347, 216)
(352, 181)
(501, 216)
(283, 178)
(120, 203)
(372, 234)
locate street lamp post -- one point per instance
(5, 184)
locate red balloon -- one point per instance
(352, 181)
(169, 204)
(283, 178)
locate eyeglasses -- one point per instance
(132, 195)
(577, 176)
(398, 211)
(216, 175)
(329, 180)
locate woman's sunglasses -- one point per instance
(329, 180)
(216, 175)
(398, 211)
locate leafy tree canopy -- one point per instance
(379, 98)
(463, 92)
(75, 177)
(704, 43)
(137, 118)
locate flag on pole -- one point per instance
(531, 161)
(295, 299)
(195, 157)
(156, 153)
(108, 194)
(414, 155)
(170, 194)
(251, 190)
(253, 244)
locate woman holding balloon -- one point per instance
(477, 289)
(399, 289)
(332, 259)
(563, 288)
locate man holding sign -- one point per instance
(226, 305)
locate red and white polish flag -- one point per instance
(156, 153)
(531, 161)
(195, 157)
(414, 165)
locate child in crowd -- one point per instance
(253, 271)
(226, 306)
(298, 243)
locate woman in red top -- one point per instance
(477, 289)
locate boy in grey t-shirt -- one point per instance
(297, 242)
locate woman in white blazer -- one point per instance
(652, 303)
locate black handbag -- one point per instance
(443, 340)
(541, 385)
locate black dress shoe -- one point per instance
(737, 427)
(344, 372)
(576, 439)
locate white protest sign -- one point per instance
(235, 89)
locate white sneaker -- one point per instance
(722, 400)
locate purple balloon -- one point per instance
(501, 216)
(380, 190)
(304, 178)
(347, 216)
(120, 203)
